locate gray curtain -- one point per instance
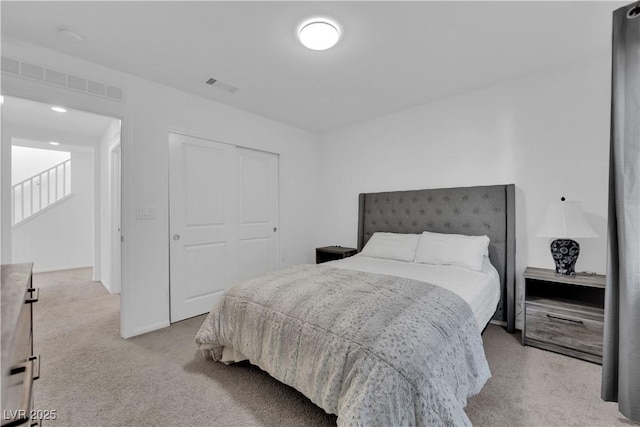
(621, 359)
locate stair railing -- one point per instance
(40, 191)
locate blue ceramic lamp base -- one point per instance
(565, 254)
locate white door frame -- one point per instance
(115, 201)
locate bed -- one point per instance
(372, 340)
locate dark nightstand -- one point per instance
(564, 314)
(331, 253)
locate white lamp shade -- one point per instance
(565, 220)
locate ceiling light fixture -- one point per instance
(54, 143)
(319, 34)
(73, 36)
(59, 109)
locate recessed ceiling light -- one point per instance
(70, 35)
(54, 143)
(59, 109)
(319, 34)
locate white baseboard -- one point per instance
(107, 287)
(51, 270)
(145, 329)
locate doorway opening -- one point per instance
(65, 189)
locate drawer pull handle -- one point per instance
(36, 366)
(31, 299)
(26, 369)
(579, 322)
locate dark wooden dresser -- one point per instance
(564, 314)
(19, 365)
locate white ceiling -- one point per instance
(392, 55)
(71, 128)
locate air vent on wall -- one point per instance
(56, 78)
(219, 84)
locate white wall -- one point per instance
(61, 237)
(36, 137)
(149, 112)
(5, 199)
(28, 161)
(547, 133)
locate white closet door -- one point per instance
(203, 223)
(259, 245)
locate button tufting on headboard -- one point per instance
(485, 210)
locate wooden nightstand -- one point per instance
(331, 253)
(564, 314)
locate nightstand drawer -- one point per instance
(564, 328)
(333, 253)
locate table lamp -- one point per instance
(565, 221)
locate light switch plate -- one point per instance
(145, 212)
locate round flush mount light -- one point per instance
(59, 109)
(319, 34)
(70, 35)
(54, 143)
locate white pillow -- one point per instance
(452, 249)
(401, 247)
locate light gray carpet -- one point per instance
(92, 377)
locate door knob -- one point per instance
(176, 237)
(275, 229)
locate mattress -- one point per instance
(480, 289)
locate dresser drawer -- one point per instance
(569, 329)
(22, 345)
(19, 367)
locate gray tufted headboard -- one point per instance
(487, 210)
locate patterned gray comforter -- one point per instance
(373, 349)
